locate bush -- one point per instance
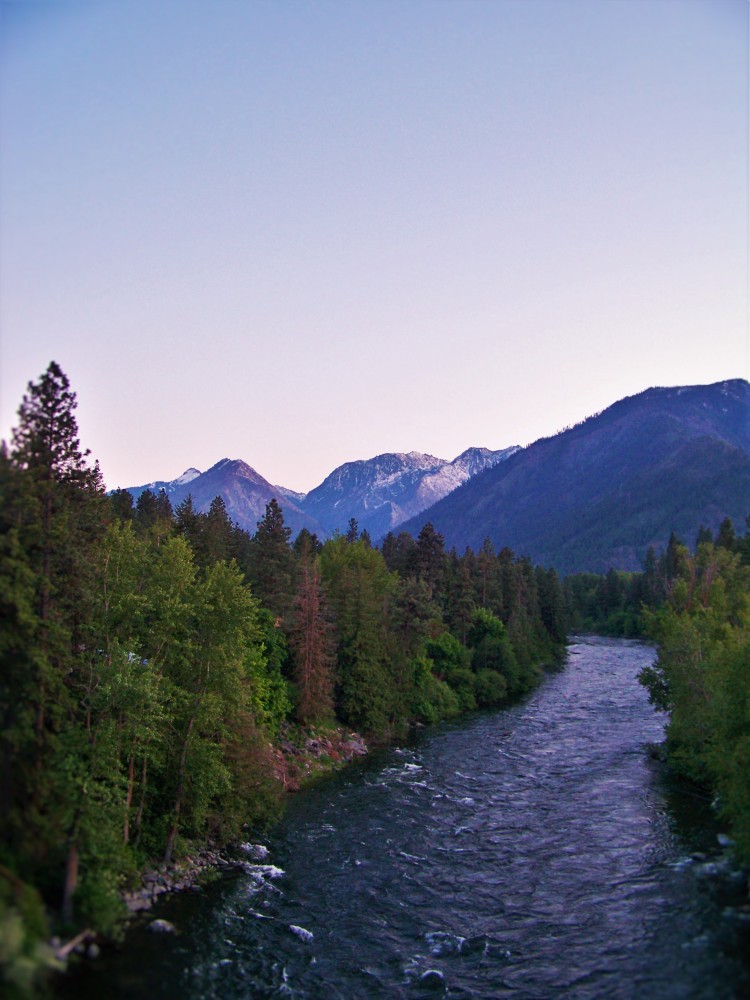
(491, 688)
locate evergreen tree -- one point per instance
(489, 591)
(704, 535)
(352, 532)
(271, 568)
(360, 590)
(726, 537)
(146, 511)
(54, 521)
(121, 503)
(653, 587)
(306, 543)
(551, 605)
(429, 560)
(164, 510)
(154, 515)
(312, 643)
(18, 663)
(188, 523)
(217, 537)
(398, 552)
(415, 615)
(461, 602)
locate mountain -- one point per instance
(383, 492)
(380, 492)
(599, 494)
(244, 491)
(167, 486)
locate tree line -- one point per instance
(150, 657)
(701, 676)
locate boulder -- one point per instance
(161, 927)
(433, 979)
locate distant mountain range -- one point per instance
(593, 496)
(379, 493)
(599, 494)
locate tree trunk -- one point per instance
(71, 882)
(44, 603)
(129, 798)
(141, 803)
(178, 796)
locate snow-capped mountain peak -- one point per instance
(187, 477)
(382, 492)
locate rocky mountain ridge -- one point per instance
(379, 493)
(383, 492)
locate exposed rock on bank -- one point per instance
(184, 875)
(297, 758)
(297, 761)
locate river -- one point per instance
(534, 853)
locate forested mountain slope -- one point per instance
(599, 494)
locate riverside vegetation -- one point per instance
(155, 661)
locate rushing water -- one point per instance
(536, 852)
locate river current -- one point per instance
(536, 852)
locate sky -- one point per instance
(305, 233)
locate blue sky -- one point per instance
(305, 233)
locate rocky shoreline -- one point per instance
(318, 753)
(295, 762)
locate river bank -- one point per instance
(299, 758)
(536, 851)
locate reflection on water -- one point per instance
(533, 853)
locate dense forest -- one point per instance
(152, 658)
(702, 674)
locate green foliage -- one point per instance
(149, 657)
(361, 592)
(271, 561)
(702, 676)
(428, 559)
(493, 652)
(491, 688)
(131, 673)
(271, 698)
(433, 699)
(447, 654)
(25, 958)
(615, 604)
(451, 666)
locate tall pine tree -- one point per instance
(53, 521)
